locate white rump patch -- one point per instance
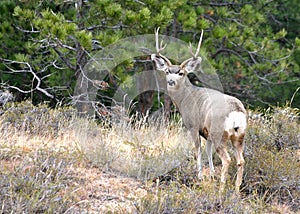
(235, 119)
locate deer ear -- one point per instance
(161, 62)
(192, 64)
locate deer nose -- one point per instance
(171, 82)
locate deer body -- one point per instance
(207, 106)
(208, 113)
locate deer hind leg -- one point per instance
(209, 155)
(238, 144)
(225, 158)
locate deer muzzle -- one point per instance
(171, 82)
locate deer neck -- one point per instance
(178, 94)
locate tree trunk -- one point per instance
(167, 108)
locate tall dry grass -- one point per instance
(144, 150)
(37, 151)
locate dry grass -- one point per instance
(144, 151)
(54, 161)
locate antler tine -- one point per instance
(191, 49)
(159, 46)
(198, 48)
(199, 45)
(156, 40)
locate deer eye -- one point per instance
(180, 74)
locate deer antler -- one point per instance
(198, 48)
(159, 46)
(195, 55)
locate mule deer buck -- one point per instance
(208, 113)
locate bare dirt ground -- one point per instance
(101, 192)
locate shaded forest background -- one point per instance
(252, 44)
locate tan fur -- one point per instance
(215, 116)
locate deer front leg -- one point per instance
(196, 139)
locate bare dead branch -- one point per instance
(221, 50)
(216, 4)
(27, 31)
(64, 46)
(28, 70)
(64, 59)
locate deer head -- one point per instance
(175, 74)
